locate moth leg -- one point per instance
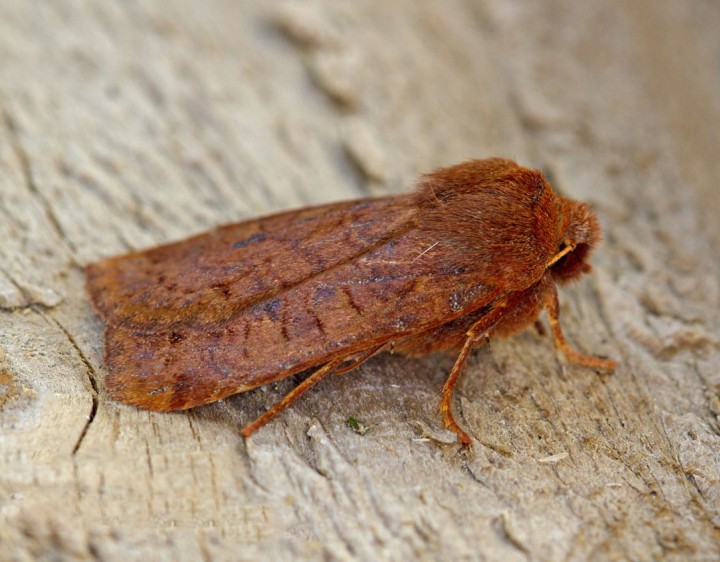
(552, 306)
(477, 331)
(290, 397)
(447, 392)
(359, 361)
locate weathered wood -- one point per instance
(123, 125)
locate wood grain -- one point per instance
(127, 125)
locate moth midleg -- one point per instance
(477, 331)
(447, 392)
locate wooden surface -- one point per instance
(127, 124)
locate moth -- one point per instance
(475, 252)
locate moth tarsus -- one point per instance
(475, 252)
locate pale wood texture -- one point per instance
(126, 124)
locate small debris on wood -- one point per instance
(357, 426)
(554, 458)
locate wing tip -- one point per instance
(155, 398)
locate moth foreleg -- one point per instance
(552, 306)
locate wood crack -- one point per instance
(92, 379)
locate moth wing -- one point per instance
(247, 304)
(212, 275)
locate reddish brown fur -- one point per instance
(473, 252)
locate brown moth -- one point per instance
(476, 251)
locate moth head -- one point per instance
(579, 233)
